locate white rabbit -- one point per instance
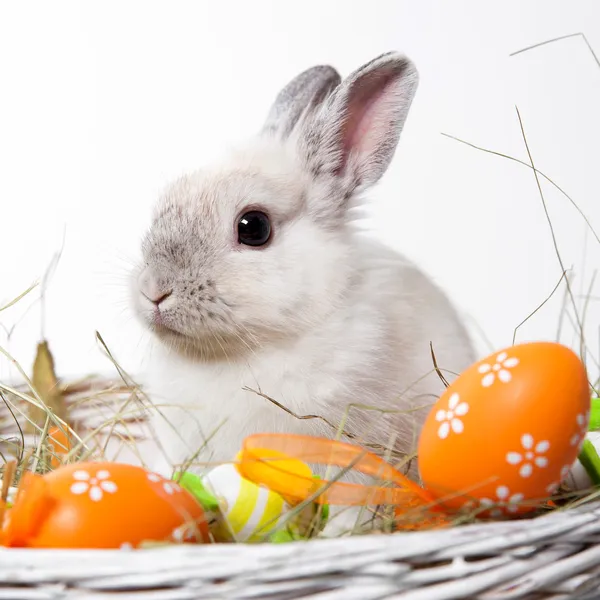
(253, 276)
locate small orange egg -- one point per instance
(102, 505)
(506, 432)
(60, 445)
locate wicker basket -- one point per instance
(554, 556)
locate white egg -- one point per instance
(250, 510)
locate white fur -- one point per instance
(374, 350)
(321, 318)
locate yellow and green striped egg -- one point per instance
(251, 510)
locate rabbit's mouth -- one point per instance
(206, 328)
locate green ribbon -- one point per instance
(594, 415)
(588, 457)
(193, 484)
(590, 461)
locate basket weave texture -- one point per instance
(555, 556)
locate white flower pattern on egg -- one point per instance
(177, 534)
(170, 487)
(581, 424)
(530, 456)
(94, 485)
(499, 370)
(505, 502)
(448, 419)
(553, 487)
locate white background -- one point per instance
(101, 103)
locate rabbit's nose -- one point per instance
(151, 289)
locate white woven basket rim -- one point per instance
(553, 556)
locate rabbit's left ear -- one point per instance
(299, 97)
(355, 135)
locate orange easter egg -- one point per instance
(59, 445)
(102, 505)
(506, 432)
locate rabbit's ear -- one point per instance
(299, 97)
(355, 136)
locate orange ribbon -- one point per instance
(275, 461)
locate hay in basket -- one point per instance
(554, 555)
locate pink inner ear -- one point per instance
(368, 117)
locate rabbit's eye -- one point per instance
(254, 228)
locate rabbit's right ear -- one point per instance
(299, 97)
